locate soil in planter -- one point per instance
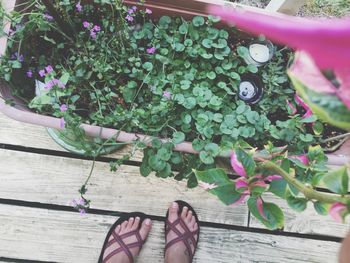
(168, 77)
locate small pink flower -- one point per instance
(11, 32)
(237, 166)
(42, 73)
(336, 211)
(291, 107)
(86, 24)
(206, 186)
(129, 18)
(79, 7)
(29, 73)
(130, 11)
(167, 94)
(62, 123)
(151, 50)
(134, 7)
(96, 28)
(81, 201)
(63, 108)
(148, 11)
(82, 211)
(48, 17)
(49, 69)
(260, 205)
(93, 34)
(49, 85)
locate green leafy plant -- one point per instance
(175, 80)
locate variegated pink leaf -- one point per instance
(237, 166)
(336, 211)
(327, 41)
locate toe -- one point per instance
(145, 228)
(117, 229)
(123, 226)
(130, 222)
(189, 216)
(184, 212)
(173, 212)
(136, 223)
(192, 223)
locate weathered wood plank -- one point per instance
(39, 234)
(28, 135)
(289, 7)
(306, 222)
(56, 180)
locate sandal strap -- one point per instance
(182, 237)
(122, 246)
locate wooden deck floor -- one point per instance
(38, 179)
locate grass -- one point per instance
(327, 8)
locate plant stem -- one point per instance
(341, 136)
(308, 192)
(65, 27)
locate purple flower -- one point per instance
(86, 24)
(134, 8)
(130, 11)
(48, 17)
(148, 11)
(18, 57)
(49, 85)
(79, 7)
(54, 82)
(167, 94)
(63, 108)
(29, 73)
(129, 18)
(49, 69)
(96, 28)
(82, 211)
(93, 34)
(62, 123)
(11, 32)
(151, 50)
(42, 73)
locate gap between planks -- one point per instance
(45, 235)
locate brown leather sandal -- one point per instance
(182, 237)
(120, 238)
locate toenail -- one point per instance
(148, 221)
(174, 205)
(137, 218)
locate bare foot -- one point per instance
(126, 227)
(178, 252)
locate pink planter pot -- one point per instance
(184, 8)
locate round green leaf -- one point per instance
(198, 21)
(178, 137)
